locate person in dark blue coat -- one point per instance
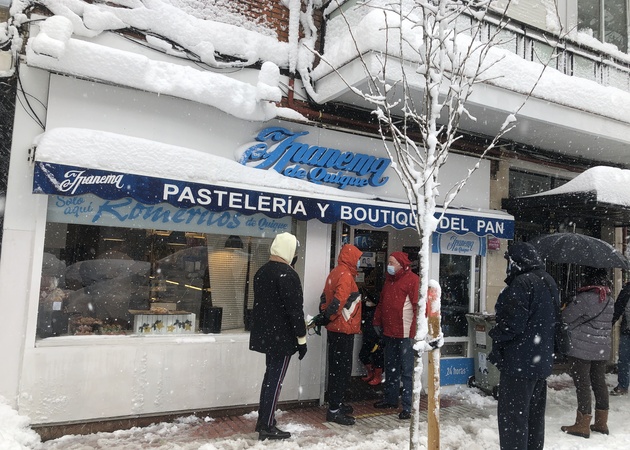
(522, 348)
(278, 327)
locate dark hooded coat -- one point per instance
(278, 317)
(526, 314)
(622, 309)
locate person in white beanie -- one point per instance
(278, 327)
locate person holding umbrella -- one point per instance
(589, 317)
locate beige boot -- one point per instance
(581, 426)
(601, 421)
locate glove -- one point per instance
(301, 351)
(378, 330)
(320, 320)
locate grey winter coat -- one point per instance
(590, 325)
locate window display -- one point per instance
(112, 280)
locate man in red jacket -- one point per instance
(395, 318)
(341, 313)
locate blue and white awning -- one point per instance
(64, 180)
(68, 173)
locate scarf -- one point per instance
(603, 291)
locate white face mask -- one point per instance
(358, 264)
(391, 270)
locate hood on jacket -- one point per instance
(402, 259)
(284, 246)
(349, 256)
(522, 257)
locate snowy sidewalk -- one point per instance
(369, 419)
(467, 422)
(307, 424)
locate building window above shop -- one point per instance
(100, 280)
(607, 19)
(527, 183)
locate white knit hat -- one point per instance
(284, 246)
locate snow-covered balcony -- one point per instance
(569, 115)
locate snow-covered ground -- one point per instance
(466, 434)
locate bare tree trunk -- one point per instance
(433, 381)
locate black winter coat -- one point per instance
(620, 307)
(278, 316)
(523, 338)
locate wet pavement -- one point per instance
(367, 417)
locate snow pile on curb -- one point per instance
(15, 432)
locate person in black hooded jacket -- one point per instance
(622, 311)
(522, 348)
(278, 327)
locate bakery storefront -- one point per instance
(148, 253)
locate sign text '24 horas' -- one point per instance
(279, 148)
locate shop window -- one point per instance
(371, 273)
(455, 280)
(527, 183)
(113, 280)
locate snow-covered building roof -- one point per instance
(598, 194)
(210, 52)
(607, 184)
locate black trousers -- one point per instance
(589, 375)
(340, 347)
(367, 354)
(521, 413)
(271, 387)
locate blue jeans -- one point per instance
(623, 365)
(398, 366)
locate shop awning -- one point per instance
(599, 194)
(72, 162)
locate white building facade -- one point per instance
(145, 188)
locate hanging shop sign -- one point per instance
(454, 244)
(282, 150)
(69, 181)
(88, 209)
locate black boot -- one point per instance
(260, 424)
(346, 409)
(339, 417)
(272, 433)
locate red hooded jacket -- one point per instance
(397, 309)
(341, 300)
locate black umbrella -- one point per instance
(574, 248)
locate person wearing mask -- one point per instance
(522, 348)
(395, 319)
(340, 312)
(278, 327)
(622, 310)
(589, 318)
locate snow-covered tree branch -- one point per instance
(430, 55)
